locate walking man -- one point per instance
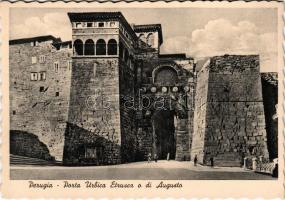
(149, 157)
(195, 160)
(212, 161)
(155, 157)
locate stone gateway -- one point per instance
(109, 97)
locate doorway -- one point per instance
(164, 140)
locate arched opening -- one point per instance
(78, 47)
(101, 47)
(89, 47)
(164, 139)
(112, 47)
(166, 76)
(142, 37)
(150, 39)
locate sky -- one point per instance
(198, 32)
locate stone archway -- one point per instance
(170, 131)
(164, 138)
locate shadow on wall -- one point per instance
(84, 147)
(270, 98)
(27, 144)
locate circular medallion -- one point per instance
(175, 89)
(186, 89)
(153, 89)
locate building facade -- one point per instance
(113, 98)
(40, 70)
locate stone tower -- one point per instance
(229, 113)
(103, 64)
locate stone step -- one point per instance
(227, 163)
(228, 160)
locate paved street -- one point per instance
(162, 170)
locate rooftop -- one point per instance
(60, 44)
(177, 55)
(35, 39)
(97, 16)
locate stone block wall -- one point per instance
(182, 140)
(234, 117)
(198, 136)
(27, 144)
(191, 107)
(78, 140)
(40, 107)
(94, 109)
(127, 111)
(144, 139)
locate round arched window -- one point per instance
(89, 47)
(150, 40)
(112, 47)
(101, 47)
(78, 47)
(142, 37)
(165, 76)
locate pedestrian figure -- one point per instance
(168, 156)
(212, 161)
(195, 160)
(155, 157)
(149, 157)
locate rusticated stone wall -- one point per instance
(40, 107)
(94, 112)
(234, 124)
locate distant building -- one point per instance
(109, 97)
